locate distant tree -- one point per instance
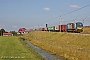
(14, 33)
(1, 32)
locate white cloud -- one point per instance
(46, 9)
(74, 6)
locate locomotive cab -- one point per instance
(79, 27)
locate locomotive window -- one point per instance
(80, 25)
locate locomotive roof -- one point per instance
(74, 23)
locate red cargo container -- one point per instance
(62, 27)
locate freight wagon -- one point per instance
(70, 27)
(43, 29)
(61, 28)
(46, 29)
(51, 28)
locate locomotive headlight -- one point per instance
(79, 28)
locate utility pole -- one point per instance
(74, 20)
(60, 23)
(83, 25)
(83, 22)
(48, 23)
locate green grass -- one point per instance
(70, 46)
(12, 48)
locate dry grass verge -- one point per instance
(86, 30)
(70, 46)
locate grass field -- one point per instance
(70, 46)
(86, 30)
(13, 48)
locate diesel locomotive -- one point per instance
(74, 27)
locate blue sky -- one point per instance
(15, 14)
